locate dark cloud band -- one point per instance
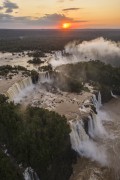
(49, 20)
(9, 6)
(71, 9)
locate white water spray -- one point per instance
(82, 142)
(45, 77)
(18, 90)
(21, 88)
(98, 49)
(29, 174)
(97, 103)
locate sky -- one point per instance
(51, 14)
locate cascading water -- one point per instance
(97, 103)
(95, 127)
(19, 89)
(99, 100)
(29, 174)
(77, 135)
(84, 142)
(45, 77)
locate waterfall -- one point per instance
(95, 126)
(99, 99)
(45, 77)
(97, 103)
(77, 135)
(83, 144)
(19, 88)
(82, 141)
(29, 174)
(114, 96)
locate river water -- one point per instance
(15, 59)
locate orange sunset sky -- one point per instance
(52, 14)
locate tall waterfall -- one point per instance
(77, 135)
(99, 100)
(97, 103)
(82, 141)
(95, 126)
(19, 88)
(45, 77)
(29, 174)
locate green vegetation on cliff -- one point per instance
(102, 76)
(65, 82)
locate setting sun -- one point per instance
(66, 25)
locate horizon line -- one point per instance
(60, 29)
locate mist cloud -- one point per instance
(98, 49)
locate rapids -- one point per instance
(83, 141)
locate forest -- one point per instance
(35, 138)
(49, 40)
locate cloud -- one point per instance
(1, 7)
(46, 21)
(101, 49)
(53, 19)
(5, 18)
(71, 9)
(9, 6)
